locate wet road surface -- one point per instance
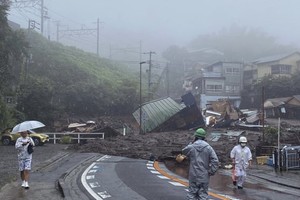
(124, 178)
(44, 178)
(254, 188)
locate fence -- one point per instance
(291, 157)
(75, 136)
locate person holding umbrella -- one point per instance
(24, 157)
(22, 145)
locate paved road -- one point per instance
(112, 177)
(120, 178)
(44, 178)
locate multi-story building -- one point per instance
(225, 80)
(221, 80)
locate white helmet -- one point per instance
(243, 139)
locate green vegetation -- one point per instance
(64, 81)
(271, 135)
(274, 87)
(66, 139)
(55, 82)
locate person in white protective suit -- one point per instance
(203, 164)
(241, 159)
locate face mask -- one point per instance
(243, 145)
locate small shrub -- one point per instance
(66, 139)
(271, 135)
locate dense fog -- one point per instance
(126, 27)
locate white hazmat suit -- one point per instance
(241, 156)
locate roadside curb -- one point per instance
(50, 161)
(62, 186)
(273, 179)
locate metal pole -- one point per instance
(42, 17)
(263, 114)
(98, 37)
(141, 97)
(278, 142)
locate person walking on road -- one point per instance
(24, 157)
(241, 159)
(203, 164)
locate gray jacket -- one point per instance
(203, 161)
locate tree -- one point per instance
(35, 99)
(176, 57)
(4, 33)
(12, 48)
(274, 87)
(241, 44)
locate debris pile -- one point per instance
(222, 114)
(163, 145)
(151, 146)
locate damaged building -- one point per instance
(286, 107)
(167, 115)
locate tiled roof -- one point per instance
(273, 58)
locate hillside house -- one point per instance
(291, 107)
(277, 65)
(221, 80)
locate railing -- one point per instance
(75, 136)
(291, 157)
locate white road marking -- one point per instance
(103, 158)
(176, 184)
(151, 168)
(94, 185)
(154, 172)
(85, 184)
(93, 171)
(162, 177)
(104, 194)
(89, 177)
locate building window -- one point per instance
(281, 69)
(232, 89)
(214, 88)
(232, 70)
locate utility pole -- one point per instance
(141, 122)
(57, 31)
(31, 26)
(168, 80)
(42, 17)
(98, 28)
(38, 4)
(263, 113)
(149, 73)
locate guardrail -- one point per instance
(75, 136)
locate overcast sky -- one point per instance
(161, 23)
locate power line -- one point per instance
(79, 32)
